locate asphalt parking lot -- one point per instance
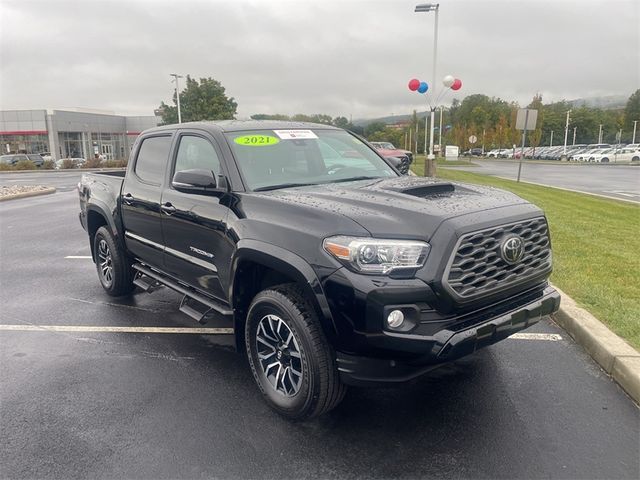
(155, 405)
(616, 181)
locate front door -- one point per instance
(140, 200)
(194, 226)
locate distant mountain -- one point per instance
(389, 120)
(608, 102)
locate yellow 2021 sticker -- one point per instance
(256, 140)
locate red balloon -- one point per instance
(414, 83)
(457, 84)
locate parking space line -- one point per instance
(78, 256)
(550, 337)
(91, 329)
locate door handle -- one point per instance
(128, 199)
(168, 208)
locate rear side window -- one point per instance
(152, 159)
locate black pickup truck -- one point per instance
(329, 266)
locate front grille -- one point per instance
(477, 267)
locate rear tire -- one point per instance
(113, 266)
(292, 362)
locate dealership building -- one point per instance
(71, 133)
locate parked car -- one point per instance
(622, 155)
(389, 150)
(327, 270)
(473, 152)
(498, 153)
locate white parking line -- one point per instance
(84, 328)
(78, 256)
(551, 337)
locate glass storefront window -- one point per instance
(24, 143)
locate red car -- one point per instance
(387, 149)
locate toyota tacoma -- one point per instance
(328, 266)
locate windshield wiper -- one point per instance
(282, 185)
(354, 179)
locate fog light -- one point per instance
(395, 318)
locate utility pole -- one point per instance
(430, 165)
(176, 77)
(440, 134)
(426, 128)
(566, 132)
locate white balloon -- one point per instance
(448, 81)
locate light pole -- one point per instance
(600, 134)
(431, 7)
(635, 124)
(574, 135)
(551, 141)
(566, 132)
(176, 77)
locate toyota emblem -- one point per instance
(512, 249)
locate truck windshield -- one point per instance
(270, 159)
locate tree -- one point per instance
(631, 113)
(200, 100)
(536, 135)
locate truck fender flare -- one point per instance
(287, 263)
(101, 208)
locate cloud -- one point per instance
(335, 57)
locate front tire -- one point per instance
(292, 362)
(114, 268)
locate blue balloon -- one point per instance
(423, 87)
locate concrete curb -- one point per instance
(64, 170)
(612, 353)
(28, 194)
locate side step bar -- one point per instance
(194, 304)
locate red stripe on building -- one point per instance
(25, 132)
(134, 133)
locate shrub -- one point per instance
(115, 163)
(48, 165)
(25, 165)
(67, 163)
(92, 163)
(5, 167)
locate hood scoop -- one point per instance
(429, 190)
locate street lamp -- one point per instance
(635, 124)
(176, 77)
(600, 134)
(422, 8)
(566, 132)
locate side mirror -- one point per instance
(197, 181)
(398, 164)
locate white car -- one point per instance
(584, 156)
(623, 155)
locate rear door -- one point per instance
(194, 226)
(140, 201)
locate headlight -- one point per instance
(376, 256)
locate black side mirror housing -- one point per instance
(399, 164)
(198, 181)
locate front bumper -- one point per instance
(445, 345)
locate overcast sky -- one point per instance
(312, 56)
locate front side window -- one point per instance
(271, 159)
(152, 159)
(197, 153)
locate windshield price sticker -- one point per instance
(295, 134)
(256, 140)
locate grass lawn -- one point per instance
(461, 162)
(596, 248)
